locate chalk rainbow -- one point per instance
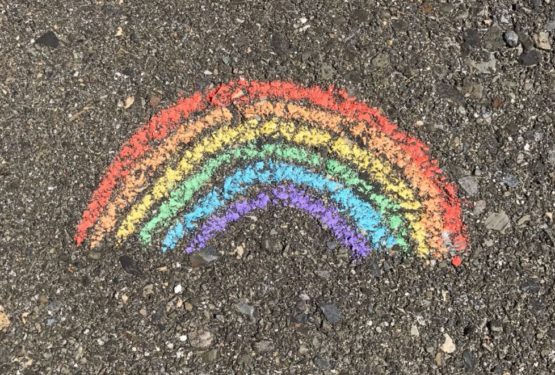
(318, 151)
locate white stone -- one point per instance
(448, 345)
(414, 331)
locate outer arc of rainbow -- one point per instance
(252, 130)
(290, 196)
(242, 92)
(180, 196)
(267, 173)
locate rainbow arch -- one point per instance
(320, 151)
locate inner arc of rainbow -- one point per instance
(181, 196)
(288, 196)
(405, 152)
(267, 173)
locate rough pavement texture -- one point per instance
(273, 298)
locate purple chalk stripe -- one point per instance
(290, 196)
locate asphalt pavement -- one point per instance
(474, 80)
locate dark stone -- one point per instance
(469, 360)
(468, 330)
(331, 312)
(129, 265)
(48, 39)
(280, 44)
(362, 15)
(493, 38)
(526, 41)
(530, 58)
(449, 92)
(300, 317)
(127, 71)
(472, 38)
(375, 270)
(530, 286)
(322, 363)
(210, 356)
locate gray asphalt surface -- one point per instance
(442, 70)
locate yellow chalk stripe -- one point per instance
(250, 130)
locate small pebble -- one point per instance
(414, 330)
(210, 356)
(322, 363)
(326, 72)
(96, 255)
(511, 38)
(129, 265)
(438, 359)
(470, 185)
(331, 312)
(205, 256)
(148, 290)
(128, 102)
(510, 181)
(245, 309)
(551, 157)
(202, 339)
(448, 345)
(498, 221)
(495, 326)
(264, 346)
(48, 39)
(4, 319)
(154, 101)
(530, 57)
(530, 286)
(381, 61)
(332, 245)
(178, 289)
(479, 207)
(469, 360)
(543, 41)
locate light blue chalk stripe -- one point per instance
(268, 172)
